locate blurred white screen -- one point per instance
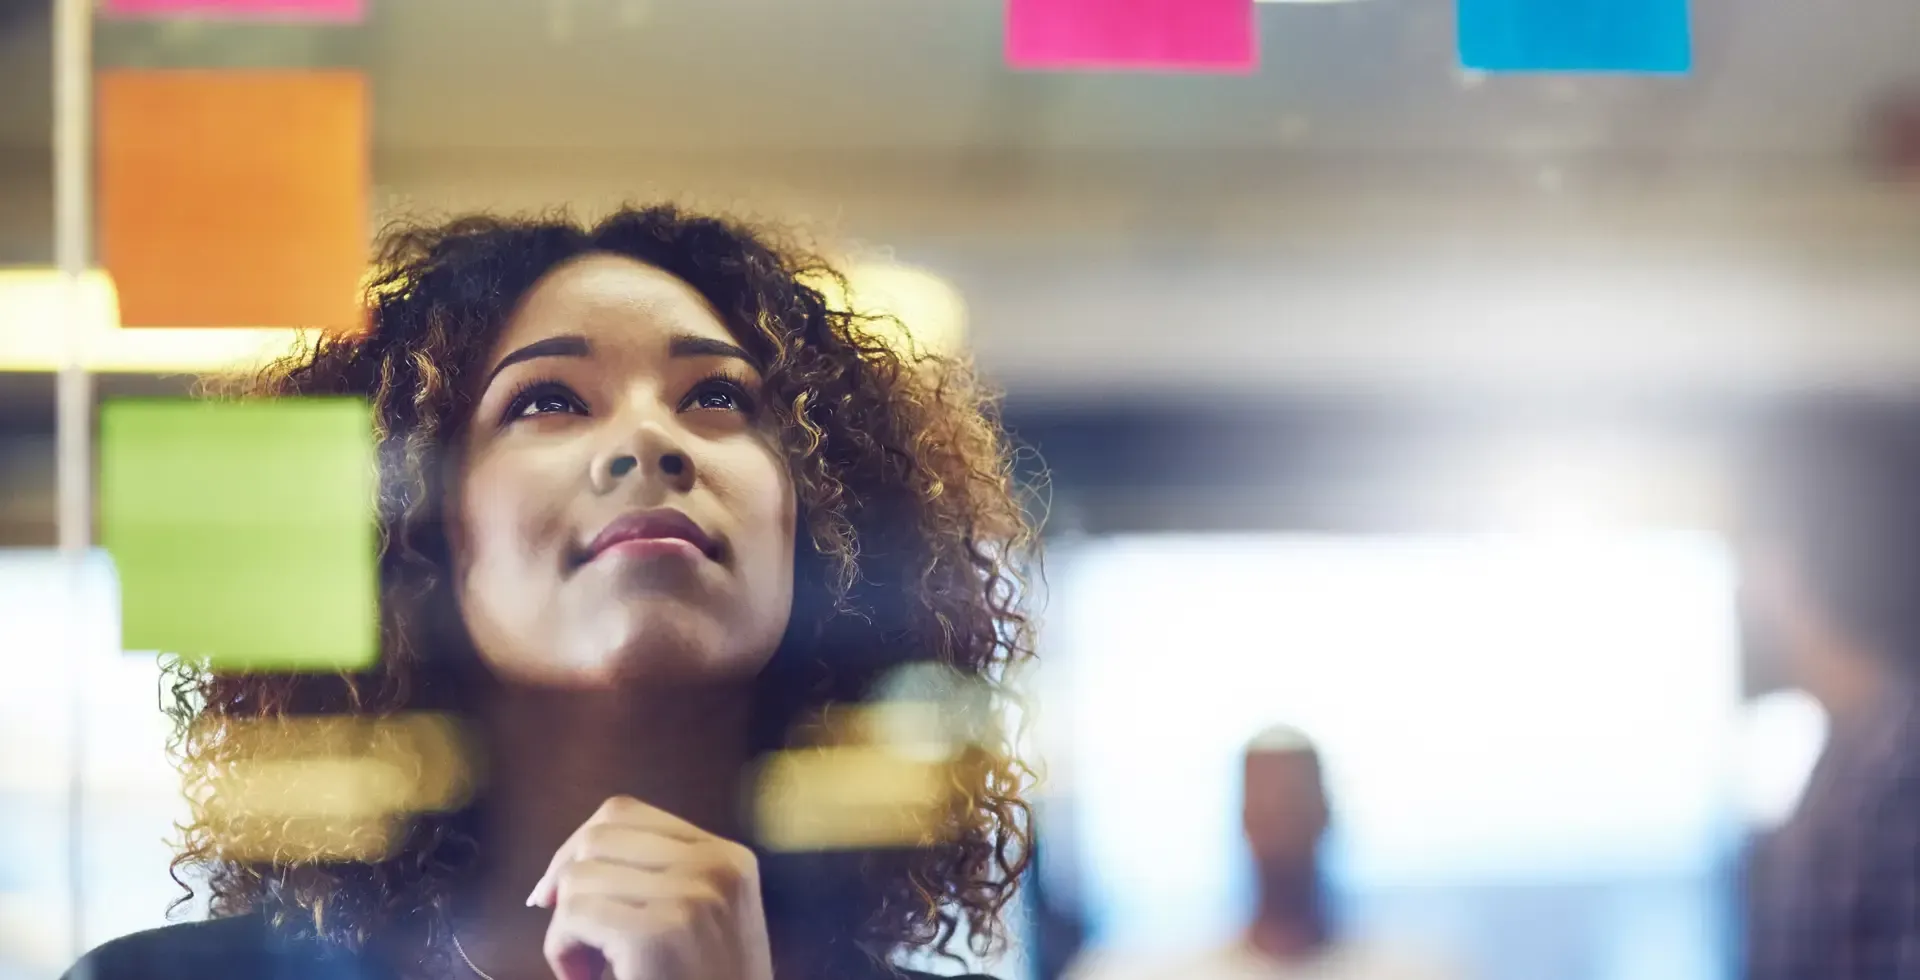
(1490, 709)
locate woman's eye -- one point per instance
(544, 401)
(720, 395)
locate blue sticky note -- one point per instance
(1650, 36)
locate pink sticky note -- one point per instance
(336, 11)
(1150, 35)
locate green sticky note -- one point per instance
(243, 532)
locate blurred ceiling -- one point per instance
(1780, 79)
(1359, 211)
(1776, 78)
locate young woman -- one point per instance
(649, 505)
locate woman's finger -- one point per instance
(635, 886)
(629, 812)
(640, 845)
(640, 851)
(591, 935)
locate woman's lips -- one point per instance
(661, 531)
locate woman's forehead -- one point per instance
(608, 297)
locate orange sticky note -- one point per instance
(234, 198)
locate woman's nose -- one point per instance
(652, 455)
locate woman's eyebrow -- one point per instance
(690, 345)
(565, 345)
(574, 345)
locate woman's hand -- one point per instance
(640, 894)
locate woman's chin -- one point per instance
(666, 650)
(624, 669)
(657, 642)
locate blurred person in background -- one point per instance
(648, 505)
(1830, 596)
(1285, 816)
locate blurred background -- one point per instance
(1378, 396)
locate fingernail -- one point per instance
(533, 897)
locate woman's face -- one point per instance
(620, 511)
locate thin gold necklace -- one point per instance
(462, 950)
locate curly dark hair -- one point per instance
(914, 537)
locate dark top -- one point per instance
(244, 948)
(1834, 894)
